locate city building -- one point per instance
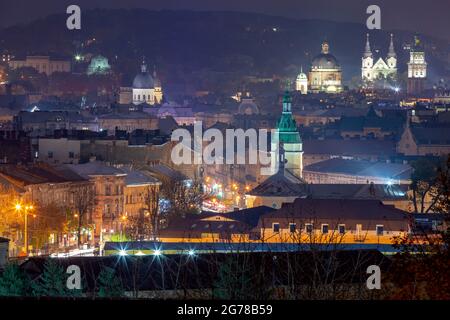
(42, 123)
(284, 187)
(47, 188)
(301, 82)
(343, 171)
(289, 140)
(316, 150)
(370, 126)
(109, 183)
(417, 69)
(326, 73)
(421, 140)
(381, 69)
(128, 122)
(141, 193)
(344, 221)
(320, 221)
(42, 64)
(146, 89)
(59, 151)
(214, 227)
(182, 114)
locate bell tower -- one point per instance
(417, 68)
(367, 63)
(289, 138)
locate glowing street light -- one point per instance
(19, 207)
(157, 253)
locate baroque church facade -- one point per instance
(373, 69)
(326, 73)
(146, 89)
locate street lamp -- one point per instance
(26, 210)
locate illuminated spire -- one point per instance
(368, 51)
(391, 52)
(143, 66)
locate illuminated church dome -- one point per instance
(143, 80)
(325, 74)
(144, 90)
(325, 60)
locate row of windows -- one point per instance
(144, 97)
(50, 155)
(108, 190)
(324, 228)
(130, 199)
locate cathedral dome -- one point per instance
(325, 61)
(143, 80)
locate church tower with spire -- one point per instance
(380, 69)
(289, 138)
(392, 56)
(367, 61)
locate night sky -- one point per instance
(426, 16)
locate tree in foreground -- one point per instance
(13, 282)
(52, 282)
(110, 285)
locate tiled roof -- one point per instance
(228, 223)
(94, 168)
(342, 209)
(281, 184)
(436, 135)
(362, 168)
(349, 147)
(135, 177)
(37, 174)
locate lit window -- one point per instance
(276, 227)
(324, 228)
(380, 229)
(292, 227)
